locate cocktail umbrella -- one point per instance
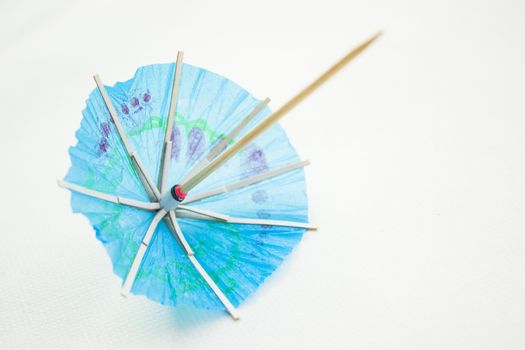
(190, 184)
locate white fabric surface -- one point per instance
(417, 176)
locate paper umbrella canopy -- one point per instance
(193, 189)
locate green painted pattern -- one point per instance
(198, 123)
(151, 123)
(156, 122)
(221, 273)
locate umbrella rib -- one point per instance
(221, 146)
(204, 212)
(178, 233)
(264, 125)
(284, 223)
(147, 181)
(222, 297)
(144, 177)
(166, 151)
(213, 216)
(137, 261)
(108, 197)
(246, 182)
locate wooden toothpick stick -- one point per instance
(166, 149)
(190, 183)
(221, 146)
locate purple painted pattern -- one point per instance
(254, 161)
(259, 196)
(263, 214)
(124, 108)
(105, 129)
(136, 103)
(175, 143)
(196, 143)
(103, 146)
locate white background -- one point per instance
(417, 177)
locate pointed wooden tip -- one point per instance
(368, 42)
(376, 35)
(351, 55)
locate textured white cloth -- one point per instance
(416, 183)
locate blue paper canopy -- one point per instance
(255, 190)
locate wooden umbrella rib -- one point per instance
(109, 197)
(246, 182)
(139, 256)
(144, 177)
(214, 216)
(166, 148)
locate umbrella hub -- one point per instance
(171, 199)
